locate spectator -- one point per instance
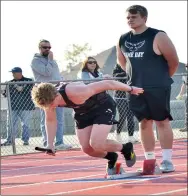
(180, 96)
(90, 69)
(45, 69)
(21, 106)
(123, 108)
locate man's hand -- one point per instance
(50, 55)
(136, 90)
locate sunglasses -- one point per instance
(92, 62)
(46, 47)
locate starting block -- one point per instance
(149, 167)
(120, 173)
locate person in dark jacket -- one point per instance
(123, 108)
(21, 106)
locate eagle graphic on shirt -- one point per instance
(134, 47)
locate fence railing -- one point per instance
(21, 120)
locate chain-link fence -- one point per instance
(21, 121)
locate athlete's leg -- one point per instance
(99, 142)
(84, 136)
(84, 140)
(99, 139)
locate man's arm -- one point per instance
(120, 58)
(182, 91)
(51, 126)
(98, 87)
(41, 68)
(167, 49)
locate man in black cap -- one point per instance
(21, 106)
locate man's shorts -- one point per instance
(103, 114)
(153, 104)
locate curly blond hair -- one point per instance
(43, 94)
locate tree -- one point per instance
(76, 53)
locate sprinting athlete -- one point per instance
(94, 115)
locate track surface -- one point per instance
(73, 172)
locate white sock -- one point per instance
(149, 155)
(167, 154)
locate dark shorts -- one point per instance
(153, 104)
(103, 114)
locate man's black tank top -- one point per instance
(146, 68)
(94, 102)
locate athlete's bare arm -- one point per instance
(51, 126)
(113, 85)
(80, 93)
(167, 49)
(120, 58)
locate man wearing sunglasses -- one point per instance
(45, 69)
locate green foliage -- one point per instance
(76, 53)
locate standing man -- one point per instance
(123, 108)
(45, 69)
(183, 91)
(21, 107)
(150, 60)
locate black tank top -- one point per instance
(61, 89)
(146, 68)
(92, 103)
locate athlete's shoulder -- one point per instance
(60, 86)
(125, 34)
(123, 37)
(155, 31)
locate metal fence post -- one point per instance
(10, 120)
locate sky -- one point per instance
(99, 23)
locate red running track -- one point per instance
(38, 174)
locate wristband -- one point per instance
(131, 89)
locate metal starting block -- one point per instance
(120, 174)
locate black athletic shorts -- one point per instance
(153, 104)
(102, 114)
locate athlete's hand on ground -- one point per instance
(136, 90)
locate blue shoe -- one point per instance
(167, 166)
